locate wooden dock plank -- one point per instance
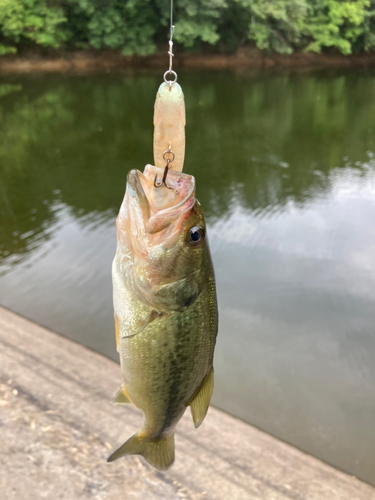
(58, 427)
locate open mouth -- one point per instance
(162, 205)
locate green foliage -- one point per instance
(22, 21)
(335, 23)
(369, 28)
(138, 26)
(198, 20)
(276, 24)
(127, 25)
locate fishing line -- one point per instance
(170, 53)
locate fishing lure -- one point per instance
(164, 293)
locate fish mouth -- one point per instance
(159, 206)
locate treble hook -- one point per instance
(158, 184)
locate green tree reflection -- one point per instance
(262, 139)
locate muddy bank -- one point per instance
(86, 61)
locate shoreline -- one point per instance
(248, 58)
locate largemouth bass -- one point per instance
(165, 309)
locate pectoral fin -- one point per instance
(121, 397)
(142, 325)
(201, 401)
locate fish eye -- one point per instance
(195, 236)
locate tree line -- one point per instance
(140, 26)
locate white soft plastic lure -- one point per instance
(169, 123)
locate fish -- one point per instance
(165, 305)
(164, 293)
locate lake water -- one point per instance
(285, 172)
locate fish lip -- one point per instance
(179, 182)
(140, 202)
(151, 210)
(136, 212)
(134, 182)
(187, 198)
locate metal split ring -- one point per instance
(170, 72)
(168, 152)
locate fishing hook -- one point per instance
(157, 183)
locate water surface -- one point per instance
(285, 171)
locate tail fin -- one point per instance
(158, 452)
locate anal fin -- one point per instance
(121, 397)
(201, 401)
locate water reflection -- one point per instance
(298, 315)
(274, 140)
(286, 175)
